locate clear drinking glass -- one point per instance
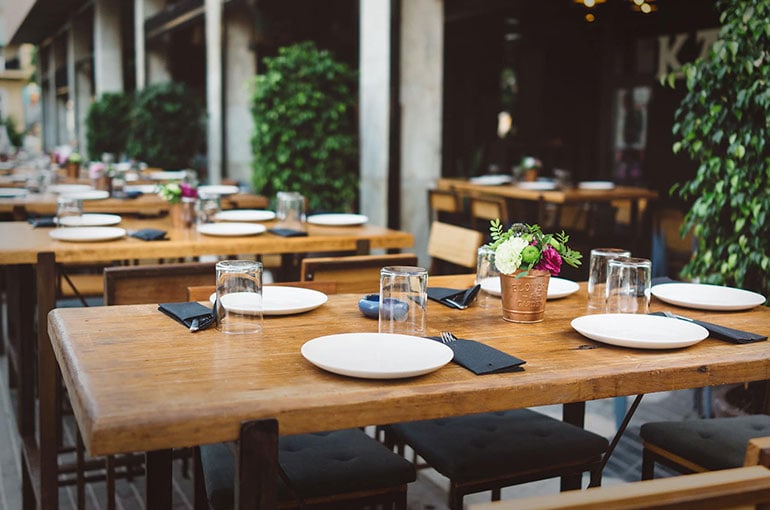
(239, 306)
(488, 277)
(403, 300)
(628, 285)
(69, 211)
(207, 207)
(597, 276)
(290, 210)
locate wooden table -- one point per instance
(132, 392)
(30, 255)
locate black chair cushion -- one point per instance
(497, 444)
(713, 443)
(322, 464)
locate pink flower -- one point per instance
(550, 260)
(188, 191)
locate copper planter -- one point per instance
(524, 297)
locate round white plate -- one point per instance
(218, 189)
(376, 355)
(90, 194)
(278, 300)
(337, 219)
(706, 297)
(87, 234)
(639, 331)
(491, 180)
(13, 192)
(167, 176)
(90, 220)
(231, 229)
(239, 302)
(596, 185)
(244, 215)
(557, 287)
(68, 188)
(537, 185)
(147, 189)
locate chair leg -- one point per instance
(571, 482)
(496, 494)
(455, 498)
(200, 498)
(648, 464)
(596, 477)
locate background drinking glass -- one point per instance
(488, 277)
(403, 300)
(597, 276)
(290, 210)
(628, 285)
(68, 207)
(239, 306)
(207, 207)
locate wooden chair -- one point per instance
(447, 206)
(742, 487)
(453, 249)
(203, 292)
(357, 273)
(157, 283)
(485, 208)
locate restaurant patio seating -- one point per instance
(485, 208)
(355, 273)
(453, 249)
(156, 283)
(446, 205)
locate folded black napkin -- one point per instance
(150, 234)
(42, 221)
(128, 195)
(287, 232)
(453, 298)
(735, 336)
(482, 359)
(193, 315)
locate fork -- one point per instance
(447, 337)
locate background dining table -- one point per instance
(139, 381)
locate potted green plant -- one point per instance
(74, 160)
(722, 124)
(305, 134)
(108, 123)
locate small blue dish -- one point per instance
(370, 307)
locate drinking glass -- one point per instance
(68, 211)
(207, 207)
(597, 276)
(488, 277)
(628, 285)
(403, 300)
(290, 210)
(238, 304)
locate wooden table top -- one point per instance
(138, 381)
(21, 242)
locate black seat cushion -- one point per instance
(713, 443)
(321, 464)
(497, 444)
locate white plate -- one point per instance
(245, 215)
(639, 331)
(147, 189)
(91, 194)
(218, 189)
(231, 229)
(13, 192)
(376, 355)
(491, 180)
(90, 220)
(167, 176)
(557, 287)
(707, 297)
(596, 185)
(337, 219)
(87, 234)
(537, 185)
(278, 300)
(69, 188)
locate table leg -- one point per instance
(573, 413)
(257, 469)
(158, 479)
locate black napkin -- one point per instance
(150, 234)
(735, 336)
(188, 314)
(453, 298)
(287, 232)
(482, 359)
(42, 221)
(128, 195)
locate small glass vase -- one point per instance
(524, 297)
(183, 213)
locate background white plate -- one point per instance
(245, 215)
(87, 234)
(231, 229)
(337, 219)
(90, 220)
(278, 300)
(13, 192)
(141, 188)
(557, 287)
(596, 185)
(706, 297)
(491, 180)
(167, 176)
(376, 355)
(89, 194)
(68, 188)
(218, 189)
(639, 330)
(537, 185)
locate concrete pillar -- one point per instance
(150, 63)
(374, 111)
(240, 68)
(108, 55)
(214, 88)
(80, 80)
(422, 67)
(48, 96)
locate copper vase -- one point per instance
(523, 297)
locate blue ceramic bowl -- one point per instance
(370, 307)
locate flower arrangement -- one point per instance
(175, 192)
(526, 247)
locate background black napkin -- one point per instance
(453, 297)
(186, 313)
(735, 336)
(42, 221)
(482, 359)
(287, 232)
(150, 234)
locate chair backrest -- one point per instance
(445, 205)
(203, 292)
(357, 273)
(455, 245)
(157, 283)
(485, 208)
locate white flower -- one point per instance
(508, 254)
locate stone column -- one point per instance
(108, 58)
(214, 88)
(80, 77)
(48, 97)
(150, 61)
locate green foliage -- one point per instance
(167, 126)
(107, 126)
(305, 136)
(15, 136)
(723, 124)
